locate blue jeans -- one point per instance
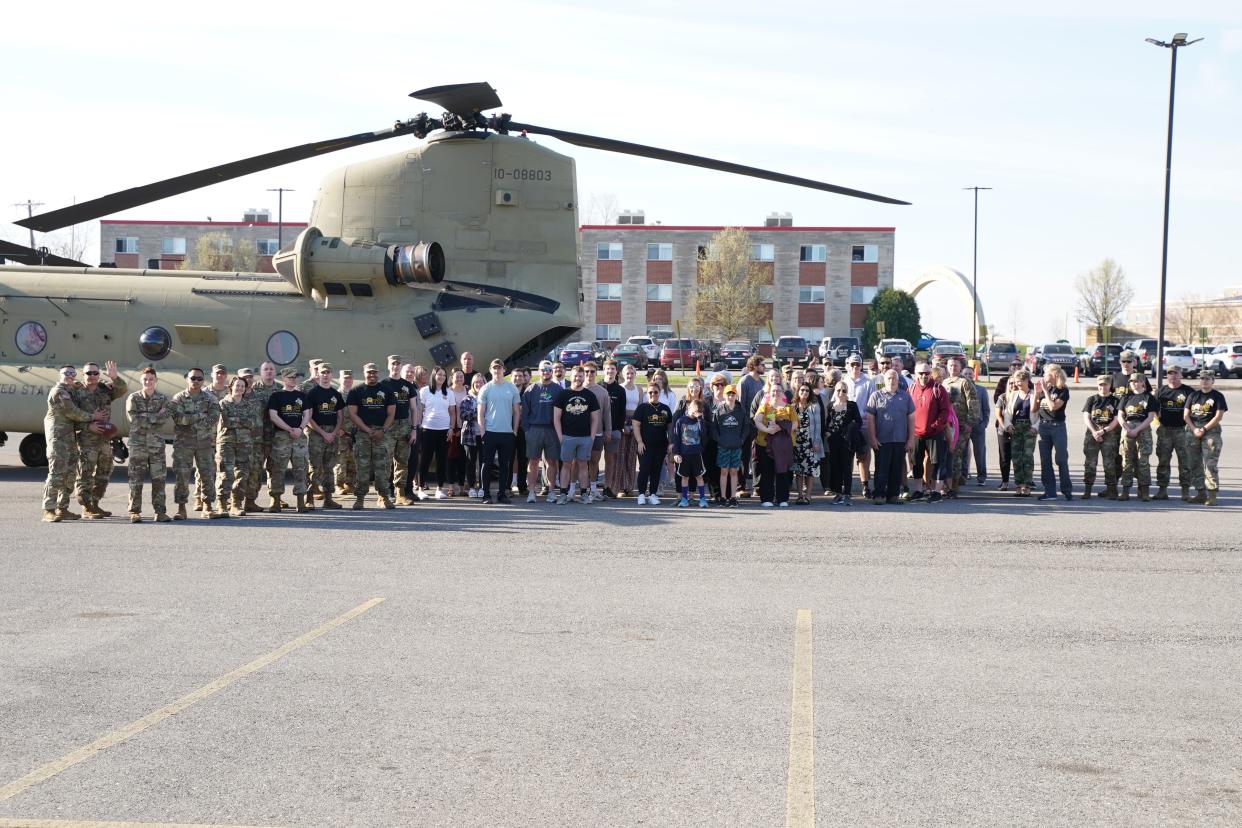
(1052, 438)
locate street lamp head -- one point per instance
(1179, 39)
(1155, 42)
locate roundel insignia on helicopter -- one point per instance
(282, 347)
(31, 338)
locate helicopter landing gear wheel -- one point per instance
(33, 450)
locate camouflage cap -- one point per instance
(394, 358)
(370, 366)
(1207, 373)
(321, 365)
(219, 366)
(312, 363)
(1173, 369)
(245, 372)
(345, 372)
(1138, 377)
(1103, 379)
(1128, 356)
(290, 372)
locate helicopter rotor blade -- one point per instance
(462, 99)
(641, 150)
(137, 196)
(30, 256)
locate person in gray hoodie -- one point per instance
(731, 431)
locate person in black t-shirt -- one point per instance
(324, 430)
(1053, 396)
(651, 426)
(1171, 435)
(1204, 409)
(1138, 410)
(289, 412)
(399, 435)
(372, 410)
(1101, 438)
(614, 477)
(576, 417)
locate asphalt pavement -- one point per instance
(986, 661)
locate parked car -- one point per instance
(1055, 353)
(1183, 358)
(629, 353)
(650, 349)
(998, 355)
(896, 347)
(1146, 350)
(736, 353)
(792, 349)
(1226, 360)
(948, 348)
(837, 349)
(926, 342)
(1094, 362)
(601, 350)
(1201, 353)
(679, 353)
(576, 353)
(707, 353)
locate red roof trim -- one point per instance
(748, 229)
(207, 223)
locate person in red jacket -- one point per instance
(931, 417)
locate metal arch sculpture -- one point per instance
(942, 274)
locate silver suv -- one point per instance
(1226, 360)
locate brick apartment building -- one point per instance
(637, 278)
(162, 245)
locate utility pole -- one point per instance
(974, 290)
(29, 205)
(280, 214)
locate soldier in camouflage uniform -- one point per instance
(234, 448)
(260, 461)
(148, 410)
(398, 447)
(62, 449)
(1172, 436)
(372, 408)
(94, 446)
(1137, 411)
(1204, 410)
(1103, 437)
(218, 389)
(346, 469)
(965, 401)
(288, 413)
(195, 412)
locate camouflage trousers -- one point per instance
(374, 463)
(959, 455)
(190, 456)
(1022, 445)
(399, 450)
(147, 459)
(94, 467)
(62, 470)
(322, 457)
(1204, 455)
(1136, 458)
(346, 469)
(1169, 440)
(288, 449)
(233, 462)
(1091, 451)
(260, 462)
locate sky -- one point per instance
(1060, 107)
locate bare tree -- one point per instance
(71, 243)
(729, 300)
(602, 208)
(1184, 319)
(1103, 293)
(1223, 321)
(219, 251)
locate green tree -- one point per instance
(219, 252)
(729, 301)
(900, 314)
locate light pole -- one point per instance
(280, 214)
(974, 288)
(1178, 41)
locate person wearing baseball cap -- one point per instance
(1171, 435)
(1136, 414)
(729, 425)
(372, 409)
(1099, 415)
(1204, 410)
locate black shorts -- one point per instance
(691, 465)
(930, 448)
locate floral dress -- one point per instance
(804, 459)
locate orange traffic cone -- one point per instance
(1076, 369)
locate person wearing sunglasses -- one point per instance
(63, 416)
(148, 411)
(195, 412)
(1138, 409)
(538, 406)
(931, 419)
(95, 439)
(651, 423)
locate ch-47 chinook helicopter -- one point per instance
(465, 241)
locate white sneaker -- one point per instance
(653, 500)
(586, 497)
(642, 500)
(784, 504)
(551, 495)
(440, 495)
(530, 498)
(767, 505)
(474, 492)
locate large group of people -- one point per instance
(587, 433)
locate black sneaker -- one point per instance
(1068, 496)
(919, 496)
(732, 504)
(950, 495)
(867, 493)
(503, 500)
(609, 493)
(486, 499)
(934, 497)
(1046, 496)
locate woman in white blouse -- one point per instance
(438, 421)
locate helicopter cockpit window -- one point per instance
(282, 347)
(155, 343)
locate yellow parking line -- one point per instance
(800, 795)
(151, 719)
(91, 823)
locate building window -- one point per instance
(762, 252)
(764, 336)
(659, 293)
(857, 333)
(813, 253)
(128, 244)
(659, 252)
(268, 247)
(656, 331)
(865, 253)
(862, 295)
(173, 247)
(811, 335)
(608, 250)
(153, 264)
(811, 294)
(222, 244)
(608, 291)
(609, 332)
(767, 294)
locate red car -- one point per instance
(679, 353)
